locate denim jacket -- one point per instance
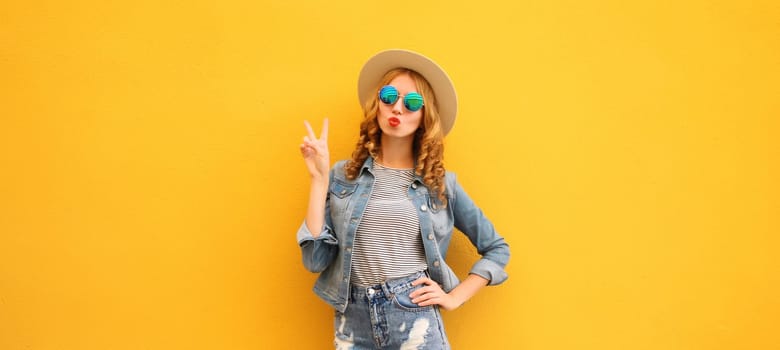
(330, 253)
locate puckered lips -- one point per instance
(393, 121)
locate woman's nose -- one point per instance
(398, 106)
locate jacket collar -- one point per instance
(368, 164)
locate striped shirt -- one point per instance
(387, 243)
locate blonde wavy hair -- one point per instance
(428, 145)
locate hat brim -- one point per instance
(376, 67)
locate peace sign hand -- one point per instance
(315, 152)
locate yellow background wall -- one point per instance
(151, 184)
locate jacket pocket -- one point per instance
(340, 201)
(341, 189)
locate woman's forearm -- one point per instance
(468, 288)
(315, 214)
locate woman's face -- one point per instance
(395, 120)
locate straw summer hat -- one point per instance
(376, 67)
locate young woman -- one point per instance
(378, 225)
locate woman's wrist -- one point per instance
(319, 182)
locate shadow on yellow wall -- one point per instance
(151, 184)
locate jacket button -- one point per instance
(343, 191)
(423, 207)
(433, 206)
(414, 185)
(436, 263)
(430, 236)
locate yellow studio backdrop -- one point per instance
(151, 183)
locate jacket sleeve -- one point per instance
(470, 220)
(319, 252)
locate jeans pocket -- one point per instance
(403, 301)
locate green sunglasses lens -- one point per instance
(388, 95)
(413, 101)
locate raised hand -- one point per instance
(315, 152)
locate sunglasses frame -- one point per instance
(415, 96)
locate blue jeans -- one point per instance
(383, 317)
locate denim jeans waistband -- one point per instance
(386, 288)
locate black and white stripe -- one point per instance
(387, 243)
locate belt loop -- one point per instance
(387, 289)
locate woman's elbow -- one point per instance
(318, 260)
